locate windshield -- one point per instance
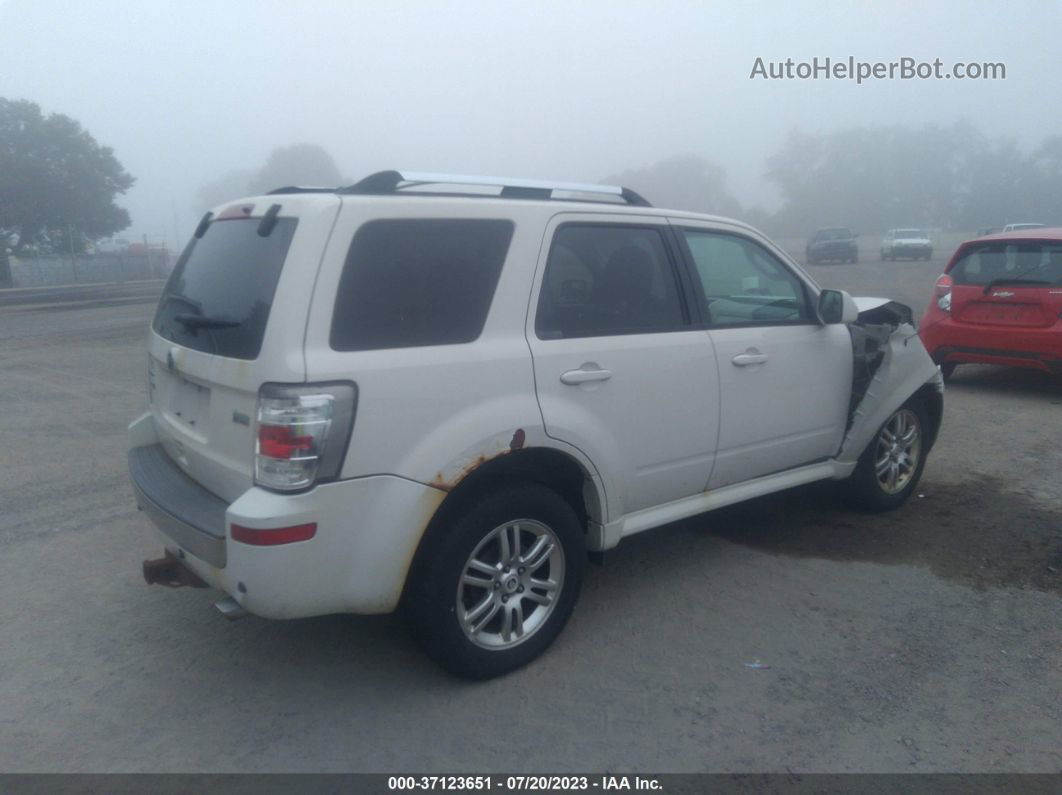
(908, 233)
(1015, 262)
(218, 297)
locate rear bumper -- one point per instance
(833, 252)
(368, 530)
(911, 251)
(951, 342)
(185, 511)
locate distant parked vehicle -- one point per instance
(111, 245)
(1021, 227)
(910, 243)
(146, 249)
(999, 301)
(835, 243)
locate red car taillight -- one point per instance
(301, 434)
(942, 292)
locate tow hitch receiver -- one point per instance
(169, 571)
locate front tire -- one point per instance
(891, 466)
(495, 586)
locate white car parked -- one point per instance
(111, 245)
(387, 396)
(911, 243)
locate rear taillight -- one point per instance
(301, 433)
(942, 292)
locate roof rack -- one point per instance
(301, 189)
(383, 182)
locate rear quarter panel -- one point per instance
(433, 414)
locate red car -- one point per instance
(999, 301)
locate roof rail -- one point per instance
(393, 181)
(300, 189)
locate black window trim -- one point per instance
(697, 289)
(691, 319)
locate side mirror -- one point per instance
(837, 306)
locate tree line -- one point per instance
(58, 186)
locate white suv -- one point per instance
(389, 395)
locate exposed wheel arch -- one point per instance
(542, 465)
(933, 399)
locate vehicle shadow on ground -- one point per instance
(1006, 380)
(975, 533)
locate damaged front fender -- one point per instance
(890, 366)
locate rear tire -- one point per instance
(891, 465)
(495, 587)
(946, 369)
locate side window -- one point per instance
(606, 279)
(415, 282)
(744, 284)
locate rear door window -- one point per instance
(218, 297)
(418, 282)
(606, 279)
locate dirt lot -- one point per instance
(928, 639)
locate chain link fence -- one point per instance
(44, 270)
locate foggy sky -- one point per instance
(187, 90)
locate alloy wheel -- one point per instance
(898, 451)
(510, 584)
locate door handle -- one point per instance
(745, 359)
(574, 377)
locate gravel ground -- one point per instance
(788, 634)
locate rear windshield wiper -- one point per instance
(998, 282)
(192, 322)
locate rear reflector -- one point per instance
(274, 536)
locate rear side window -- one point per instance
(415, 282)
(605, 279)
(218, 297)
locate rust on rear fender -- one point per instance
(443, 482)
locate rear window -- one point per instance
(1016, 263)
(218, 297)
(832, 234)
(417, 282)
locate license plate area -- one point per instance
(1003, 314)
(189, 404)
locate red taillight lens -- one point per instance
(279, 441)
(942, 292)
(301, 433)
(275, 536)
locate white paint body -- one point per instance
(677, 429)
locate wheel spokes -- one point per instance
(508, 603)
(539, 554)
